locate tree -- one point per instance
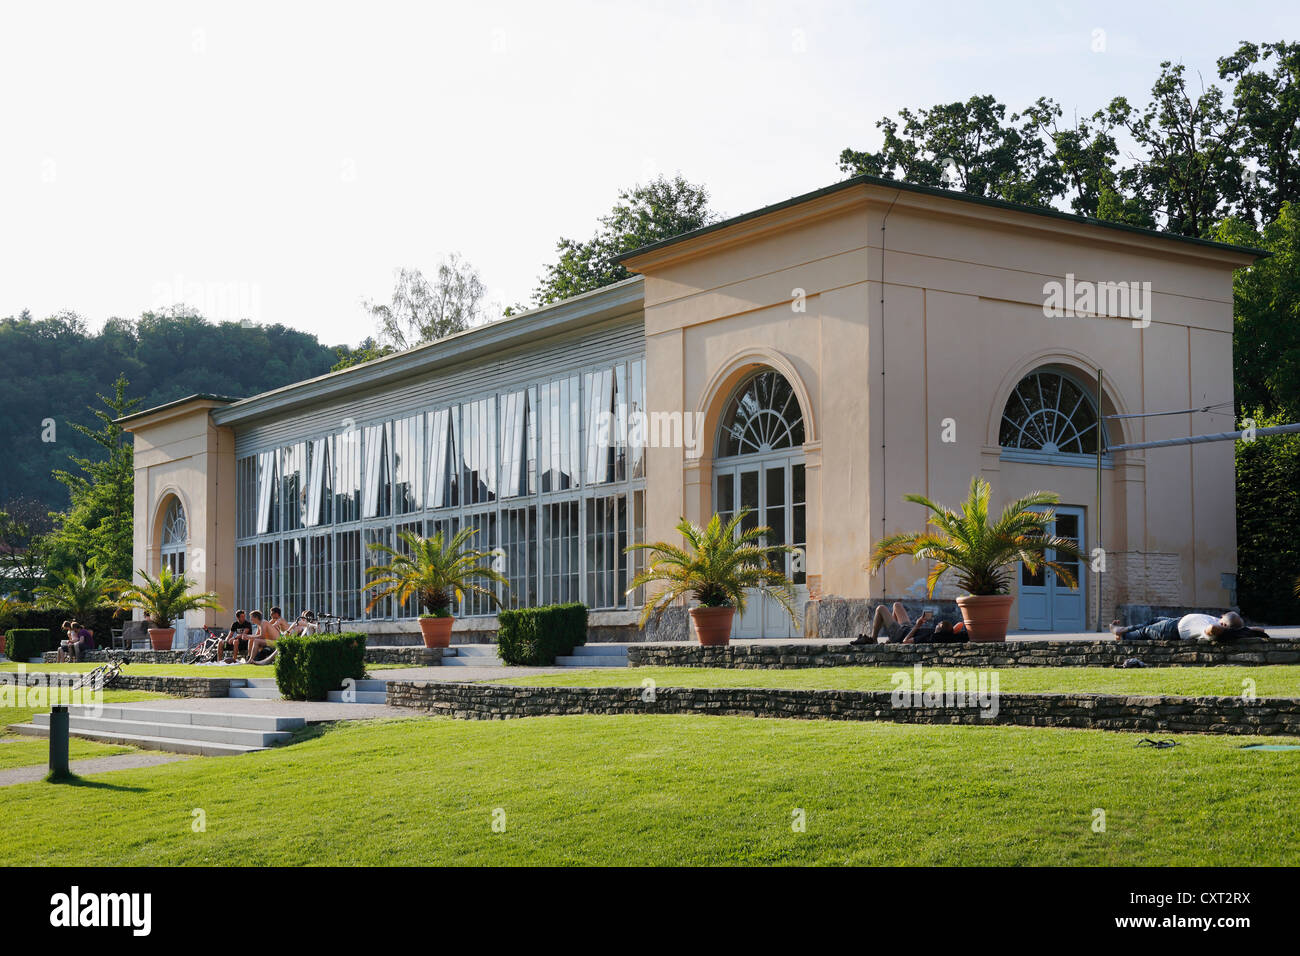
(422, 311)
(1268, 104)
(660, 209)
(97, 527)
(1266, 317)
(971, 147)
(79, 592)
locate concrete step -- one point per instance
(158, 726)
(476, 661)
(168, 744)
(601, 650)
(471, 650)
(256, 693)
(260, 682)
(361, 697)
(591, 660)
(198, 718)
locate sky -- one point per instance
(279, 161)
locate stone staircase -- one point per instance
(595, 655)
(176, 731)
(365, 692)
(471, 655)
(258, 688)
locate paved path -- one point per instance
(92, 765)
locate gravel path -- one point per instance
(92, 765)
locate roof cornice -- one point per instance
(590, 308)
(861, 190)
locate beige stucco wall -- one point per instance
(961, 322)
(179, 452)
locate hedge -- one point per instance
(1268, 513)
(537, 635)
(101, 622)
(309, 667)
(24, 643)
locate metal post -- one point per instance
(59, 742)
(1101, 424)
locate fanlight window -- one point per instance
(1050, 413)
(763, 416)
(175, 533)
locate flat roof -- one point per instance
(955, 195)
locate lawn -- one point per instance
(1270, 681)
(175, 670)
(35, 751)
(639, 790)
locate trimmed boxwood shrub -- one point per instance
(24, 643)
(308, 667)
(101, 623)
(535, 636)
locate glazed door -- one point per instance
(1046, 602)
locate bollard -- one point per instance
(59, 742)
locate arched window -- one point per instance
(763, 416)
(175, 536)
(1050, 414)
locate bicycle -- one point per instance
(329, 624)
(105, 675)
(206, 651)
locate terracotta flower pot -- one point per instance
(986, 616)
(436, 631)
(712, 625)
(160, 638)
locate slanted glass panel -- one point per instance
(320, 493)
(245, 577)
(519, 544)
(408, 465)
(444, 458)
(479, 447)
(383, 608)
(411, 607)
(246, 497)
(348, 575)
(763, 416)
(295, 577)
(293, 483)
(268, 492)
(376, 499)
(560, 552)
(347, 475)
(518, 443)
(485, 539)
(606, 558)
(1050, 413)
(268, 566)
(600, 426)
(558, 434)
(321, 565)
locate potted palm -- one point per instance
(717, 567)
(79, 592)
(163, 599)
(983, 555)
(436, 572)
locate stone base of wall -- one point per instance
(415, 656)
(1003, 654)
(1157, 714)
(174, 686)
(132, 657)
(831, 617)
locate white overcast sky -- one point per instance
(280, 160)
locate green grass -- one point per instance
(641, 790)
(1270, 681)
(175, 670)
(35, 751)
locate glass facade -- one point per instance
(548, 473)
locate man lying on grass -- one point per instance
(1189, 627)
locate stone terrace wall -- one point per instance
(1002, 654)
(175, 686)
(420, 656)
(133, 657)
(1160, 714)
